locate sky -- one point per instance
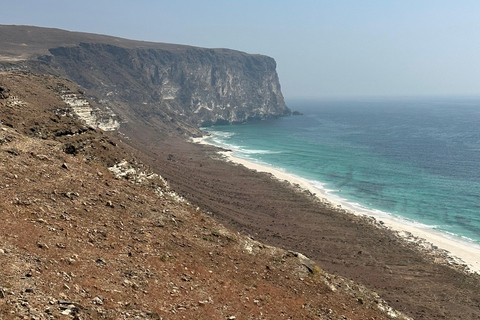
(335, 48)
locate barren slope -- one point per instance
(81, 241)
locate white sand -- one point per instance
(459, 251)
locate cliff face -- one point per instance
(154, 82)
(207, 86)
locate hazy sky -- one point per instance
(322, 48)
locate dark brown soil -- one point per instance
(275, 213)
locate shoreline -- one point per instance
(457, 251)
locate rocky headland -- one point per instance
(164, 85)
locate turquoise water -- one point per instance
(416, 159)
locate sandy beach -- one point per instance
(429, 239)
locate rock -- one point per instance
(64, 166)
(297, 113)
(70, 149)
(66, 312)
(4, 93)
(42, 245)
(109, 204)
(154, 316)
(97, 301)
(2, 251)
(42, 157)
(71, 195)
(101, 261)
(94, 117)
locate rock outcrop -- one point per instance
(177, 84)
(102, 118)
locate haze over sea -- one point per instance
(416, 159)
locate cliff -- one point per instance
(180, 85)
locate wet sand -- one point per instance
(413, 279)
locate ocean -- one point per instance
(416, 160)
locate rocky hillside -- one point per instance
(179, 86)
(88, 232)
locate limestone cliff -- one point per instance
(176, 84)
(206, 85)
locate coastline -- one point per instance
(457, 251)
